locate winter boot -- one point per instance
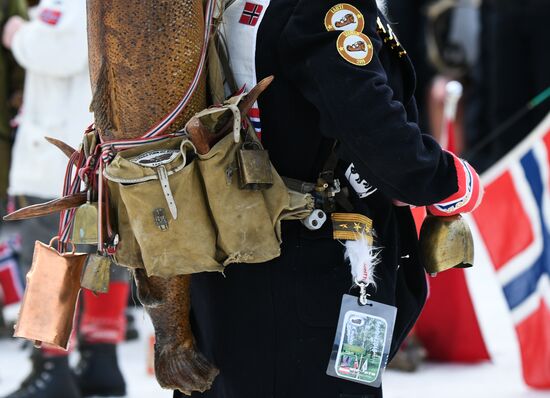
(97, 373)
(3, 326)
(50, 378)
(131, 330)
(6, 328)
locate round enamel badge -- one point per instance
(344, 17)
(355, 47)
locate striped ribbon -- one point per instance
(71, 186)
(155, 133)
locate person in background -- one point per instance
(11, 91)
(441, 37)
(514, 68)
(341, 105)
(409, 20)
(52, 48)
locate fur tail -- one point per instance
(363, 258)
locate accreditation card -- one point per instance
(362, 342)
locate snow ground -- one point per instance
(14, 365)
(499, 380)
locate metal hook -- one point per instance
(363, 295)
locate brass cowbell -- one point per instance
(96, 274)
(254, 167)
(85, 223)
(445, 243)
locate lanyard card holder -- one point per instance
(362, 343)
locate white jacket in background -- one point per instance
(53, 49)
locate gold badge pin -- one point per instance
(344, 17)
(389, 37)
(352, 226)
(355, 47)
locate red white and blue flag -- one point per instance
(251, 14)
(11, 287)
(254, 116)
(513, 223)
(49, 16)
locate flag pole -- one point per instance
(453, 93)
(497, 132)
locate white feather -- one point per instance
(382, 6)
(363, 258)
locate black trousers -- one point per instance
(515, 65)
(270, 327)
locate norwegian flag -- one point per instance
(513, 222)
(251, 14)
(11, 288)
(51, 17)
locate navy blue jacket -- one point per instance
(277, 320)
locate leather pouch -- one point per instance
(161, 210)
(247, 221)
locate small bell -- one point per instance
(96, 274)
(254, 167)
(85, 223)
(445, 243)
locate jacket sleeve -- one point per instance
(55, 43)
(356, 106)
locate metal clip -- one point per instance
(321, 186)
(334, 189)
(111, 247)
(363, 295)
(160, 219)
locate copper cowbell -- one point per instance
(51, 295)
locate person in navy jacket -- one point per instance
(343, 83)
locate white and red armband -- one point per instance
(467, 197)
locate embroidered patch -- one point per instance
(251, 14)
(358, 183)
(352, 226)
(344, 17)
(355, 47)
(51, 17)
